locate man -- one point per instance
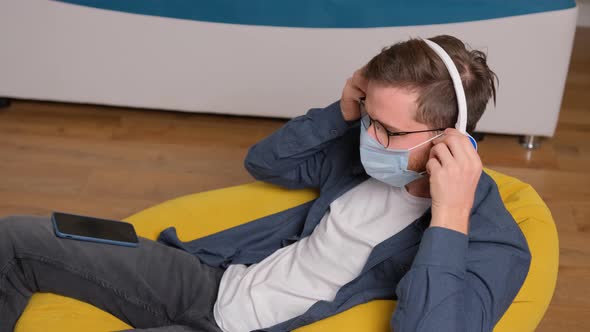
(405, 212)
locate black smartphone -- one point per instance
(84, 228)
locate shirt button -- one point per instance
(334, 132)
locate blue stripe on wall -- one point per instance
(330, 13)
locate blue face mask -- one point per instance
(387, 165)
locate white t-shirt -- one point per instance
(289, 281)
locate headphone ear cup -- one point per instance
(473, 141)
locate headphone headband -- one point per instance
(461, 124)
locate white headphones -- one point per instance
(461, 124)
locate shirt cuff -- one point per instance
(442, 246)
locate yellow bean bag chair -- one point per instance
(50, 312)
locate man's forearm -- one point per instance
(291, 155)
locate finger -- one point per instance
(446, 133)
(471, 153)
(441, 152)
(458, 144)
(353, 91)
(433, 166)
(359, 80)
(463, 152)
(357, 94)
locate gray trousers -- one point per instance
(152, 287)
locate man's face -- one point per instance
(395, 108)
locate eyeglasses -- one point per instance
(381, 132)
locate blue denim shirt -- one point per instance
(442, 279)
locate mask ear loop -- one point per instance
(419, 145)
(428, 140)
(461, 124)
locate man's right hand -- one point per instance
(355, 88)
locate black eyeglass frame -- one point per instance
(389, 133)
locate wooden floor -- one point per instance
(112, 162)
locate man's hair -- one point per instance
(414, 66)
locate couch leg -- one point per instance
(530, 142)
(4, 102)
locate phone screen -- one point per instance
(95, 227)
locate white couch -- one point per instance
(53, 50)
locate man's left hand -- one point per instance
(454, 168)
